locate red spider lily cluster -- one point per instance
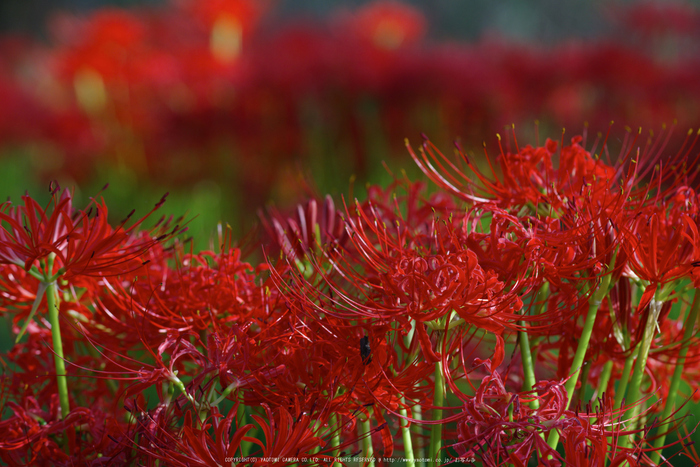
(212, 89)
(538, 307)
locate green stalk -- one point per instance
(689, 327)
(544, 291)
(406, 432)
(526, 354)
(639, 366)
(366, 433)
(621, 390)
(438, 401)
(418, 429)
(335, 439)
(528, 366)
(595, 301)
(584, 377)
(240, 422)
(416, 409)
(604, 378)
(622, 386)
(52, 301)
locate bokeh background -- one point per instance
(232, 106)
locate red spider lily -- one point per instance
(189, 445)
(310, 229)
(564, 253)
(429, 273)
(529, 179)
(207, 290)
(35, 360)
(18, 289)
(573, 271)
(500, 427)
(230, 355)
(83, 241)
(287, 439)
(528, 175)
(325, 368)
(571, 229)
(32, 436)
(657, 248)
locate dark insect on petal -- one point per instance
(365, 350)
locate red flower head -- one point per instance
(527, 177)
(82, 242)
(501, 428)
(312, 228)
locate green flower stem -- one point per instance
(604, 378)
(315, 428)
(622, 385)
(335, 439)
(595, 301)
(224, 394)
(240, 422)
(52, 301)
(438, 401)
(528, 367)
(584, 377)
(621, 390)
(34, 272)
(366, 433)
(525, 353)
(406, 432)
(543, 293)
(418, 430)
(417, 411)
(639, 367)
(689, 327)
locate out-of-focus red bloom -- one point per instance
(388, 24)
(109, 43)
(229, 22)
